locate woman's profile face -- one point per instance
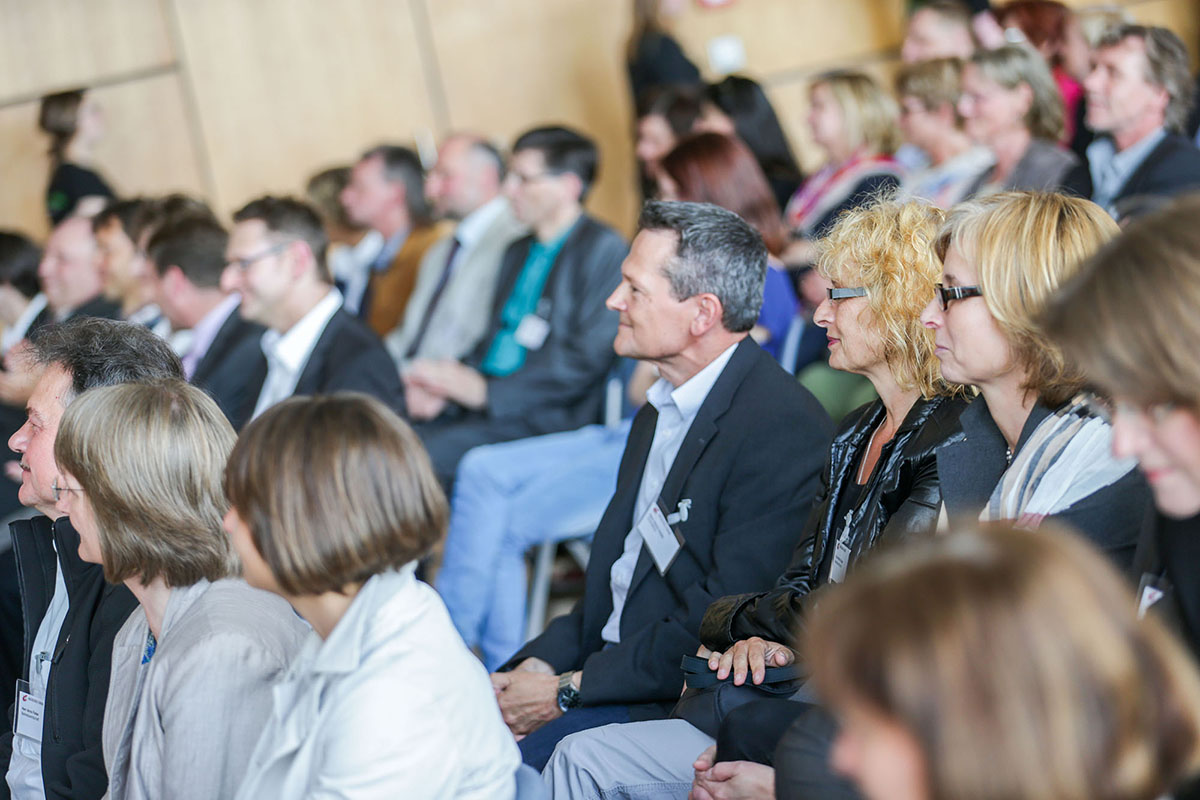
(1166, 442)
(91, 120)
(254, 568)
(880, 755)
(71, 501)
(854, 344)
(825, 118)
(990, 110)
(970, 345)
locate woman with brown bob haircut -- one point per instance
(1002, 664)
(1026, 450)
(1130, 321)
(333, 501)
(140, 476)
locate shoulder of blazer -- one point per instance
(1174, 163)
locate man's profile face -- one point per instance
(120, 264)
(260, 268)
(1118, 93)
(34, 441)
(455, 185)
(369, 195)
(69, 269)
(652, 323)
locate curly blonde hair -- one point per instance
(1024, 245)
(888, 247)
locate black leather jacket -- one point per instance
(901, 499)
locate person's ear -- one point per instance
(709, 313)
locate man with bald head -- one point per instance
(70, 273)
(450, 307)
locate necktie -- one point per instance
(433, 301)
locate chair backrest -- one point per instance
(530, 785)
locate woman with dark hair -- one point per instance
(652, 56)
(75, 125)
(711, 168)
(738, 106)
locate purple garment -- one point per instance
(206, 331)
(778, 309)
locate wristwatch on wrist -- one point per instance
(568, 695)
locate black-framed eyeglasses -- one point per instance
(524, 180)
(243, 264)
(58, 491)
(841, 293)
(949, 293)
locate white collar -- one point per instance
(290, 350)
(19, 329)
(692, 393)
(474, 225)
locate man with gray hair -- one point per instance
(721, 467)
(71, 612)
(386, 193)
(1138, 97)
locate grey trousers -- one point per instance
(628, 761)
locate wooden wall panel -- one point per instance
(284, 87)
(528, 62)
(55, 44)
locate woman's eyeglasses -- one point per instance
(842, 294)
(949, 293)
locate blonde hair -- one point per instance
(869, 113)
(334, 490)
(935, 83)
(149, 457)
(1023, 246)
(1129, 318)
(1015, 64)
(888, 247)
(1016, 660)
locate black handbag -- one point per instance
(707, 700)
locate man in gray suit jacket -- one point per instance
(541, 366)
(451, 303)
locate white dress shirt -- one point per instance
(351, 266)
(391, 704)
(677, 409)
(287, 353)
(20, 329)
(25, 766)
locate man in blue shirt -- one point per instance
(542, 364)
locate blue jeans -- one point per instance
(507, 498)
(537, 747)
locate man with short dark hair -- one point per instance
(276, 261)
(127, 279)
(722, 464)
(221, 352)
(1138, 97)
(387, 194)
(540, 368)
(71, 613)
(451, 304)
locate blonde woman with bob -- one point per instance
(1027, 449)
(140, 476)
(1012, 106)
(334, 500)
(1130, 321)
(880, 483)
(854, 121)
(1002, 663)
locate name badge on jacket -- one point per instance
(661, 539)
(531, 333)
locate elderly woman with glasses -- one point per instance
(192, 670)
(1026, 450)
(1129, 320)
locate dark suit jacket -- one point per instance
(350, 358)
(972, 461)
(560, 387)
(233, 368)
(751, 465)
(1171, 168)
(72, 760)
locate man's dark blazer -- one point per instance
(751, 465)
(72, 758)
(1171, 168)
(233, 368)
(348, 357)
(560, 387)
